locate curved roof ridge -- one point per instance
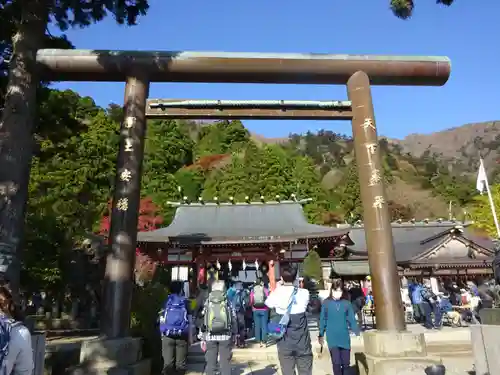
(239, 222)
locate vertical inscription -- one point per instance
(376, 216)
(118, 282)
(375, 177)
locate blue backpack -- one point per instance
(6, 325)
(174, 317)
(240, 301)
(277, 329)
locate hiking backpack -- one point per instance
(259, 296)
(217, 314)
(174, 320)
(240, 301)
(6, 325)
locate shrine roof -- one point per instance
(414, 239)
(238, 223)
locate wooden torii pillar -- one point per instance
(139, 69)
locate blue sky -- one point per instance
(468, 34)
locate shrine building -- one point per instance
(426, 249)
(235, 239)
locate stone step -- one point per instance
(450, 348)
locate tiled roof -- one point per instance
(413, 239)
(212, 223)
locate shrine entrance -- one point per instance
(139, 69)
(232, 240)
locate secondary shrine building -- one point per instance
(234, 240)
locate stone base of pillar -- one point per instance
(394, 353)
(485, 348)
(112, 357)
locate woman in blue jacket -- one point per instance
(336, 320)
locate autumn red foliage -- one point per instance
(208, 162)
(145, 266)
(149, 219)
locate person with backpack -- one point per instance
(260, 311)
(217, 331)
(291, 330)
(16, 353)
(429, 305)
(240, 303)
(337, 319)
(175, 330)
(201, 297)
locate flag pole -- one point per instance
(490, 198)
(493, 211)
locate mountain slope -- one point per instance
(460, 145)
(423, 173)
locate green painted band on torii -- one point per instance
(242, 67)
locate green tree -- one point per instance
(71, 178)
(221, 138)
(252, 159)
(235, 134)
(167, 150)
(235, 181)
(212, 187)
(191, 181)
(312, 266)
(275, 173)
(240, 178)
(307, 184)
(480, 211)
(350, 194)
(73, 169)
(30, 19)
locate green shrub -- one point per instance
(312, 266)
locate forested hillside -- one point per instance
(460, 146)
(74, 168)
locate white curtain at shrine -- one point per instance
(180, 273)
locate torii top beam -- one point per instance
(225, 67)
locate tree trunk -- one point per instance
(16, 136)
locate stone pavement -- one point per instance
(322, 366)
(451, 345)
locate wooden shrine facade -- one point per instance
(427, 248)
(206, 235)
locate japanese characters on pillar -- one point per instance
(125, 175)
(126, 199)
(376, 216)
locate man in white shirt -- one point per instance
(294, 348)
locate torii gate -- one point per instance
(139, 69)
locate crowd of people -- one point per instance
(446, 301)
(223, 316)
